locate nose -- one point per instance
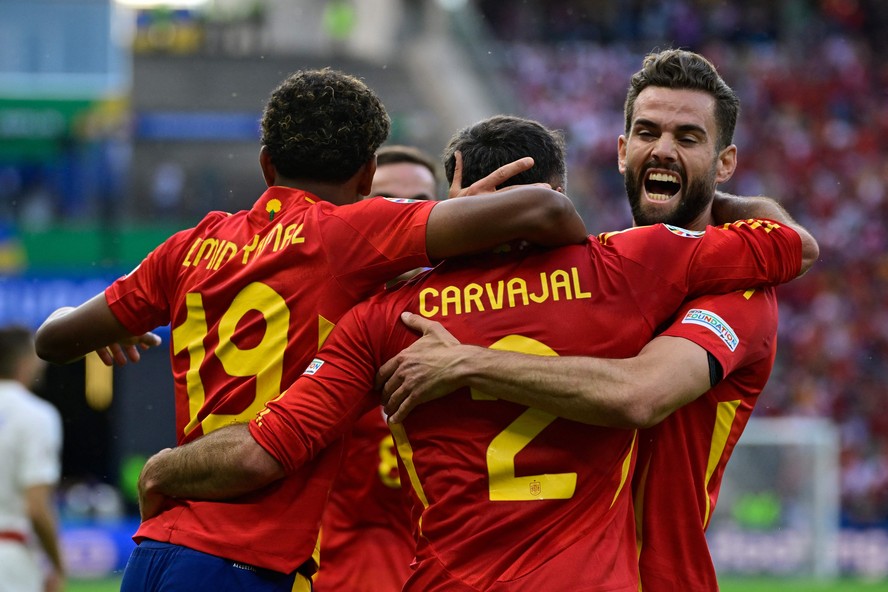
(664, 149)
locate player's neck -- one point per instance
(336, 193)
(702, 220)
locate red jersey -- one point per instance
(507, 497)
(250, 297)
(682, 459)
(367, 538)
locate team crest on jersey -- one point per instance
(713, 322)
(399, 199)
(314, 366)
(684, 232)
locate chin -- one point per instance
(659, 209)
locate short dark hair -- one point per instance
(323, 125)
(501, 139)
(16, 342)
(396, 153)
(685, 70)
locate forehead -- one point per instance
(668, 107)
(404, 179)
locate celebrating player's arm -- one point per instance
(635, 392)
(484, 218)
(71, 332)
(632, 392)
(727, 208)
(226, 463)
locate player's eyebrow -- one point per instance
(683, 128)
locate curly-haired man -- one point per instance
(250, 297)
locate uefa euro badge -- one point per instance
(536, 488)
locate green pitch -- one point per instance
(106, 585)
(796, 585)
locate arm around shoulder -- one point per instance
(223, 464)
(636, 392)
(727, 208)
(633, 392)
(474, 223)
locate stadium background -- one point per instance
(122, 122)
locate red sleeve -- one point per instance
(760, 250)
(717, 260)
(141, 299)
(737, 328)
(324, 403)
(375, 238)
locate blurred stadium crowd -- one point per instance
(813, 132)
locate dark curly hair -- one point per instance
(323, 125)
(685, 70)
(501, 139)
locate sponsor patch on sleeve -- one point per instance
(713, 322)
(684, 232)
(399, 199)
(314, 366)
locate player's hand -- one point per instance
(128, 350)
(54, 582)
(150, 501)
(427, 370)
(489, 183)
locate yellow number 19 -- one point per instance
(264, 360)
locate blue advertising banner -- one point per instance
(29, 300)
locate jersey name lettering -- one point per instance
(511, 293)
(212, 252)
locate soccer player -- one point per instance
(503, 497)
(366, 535)
(30, 468)
(405, 172)
(251, 296)
(680, 118)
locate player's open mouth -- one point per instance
(661, 185)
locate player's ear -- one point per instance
(621, 154)
(365, 176)
(727, 164)
(269, 172)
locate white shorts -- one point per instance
(20, 568)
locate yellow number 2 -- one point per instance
(501, 453)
